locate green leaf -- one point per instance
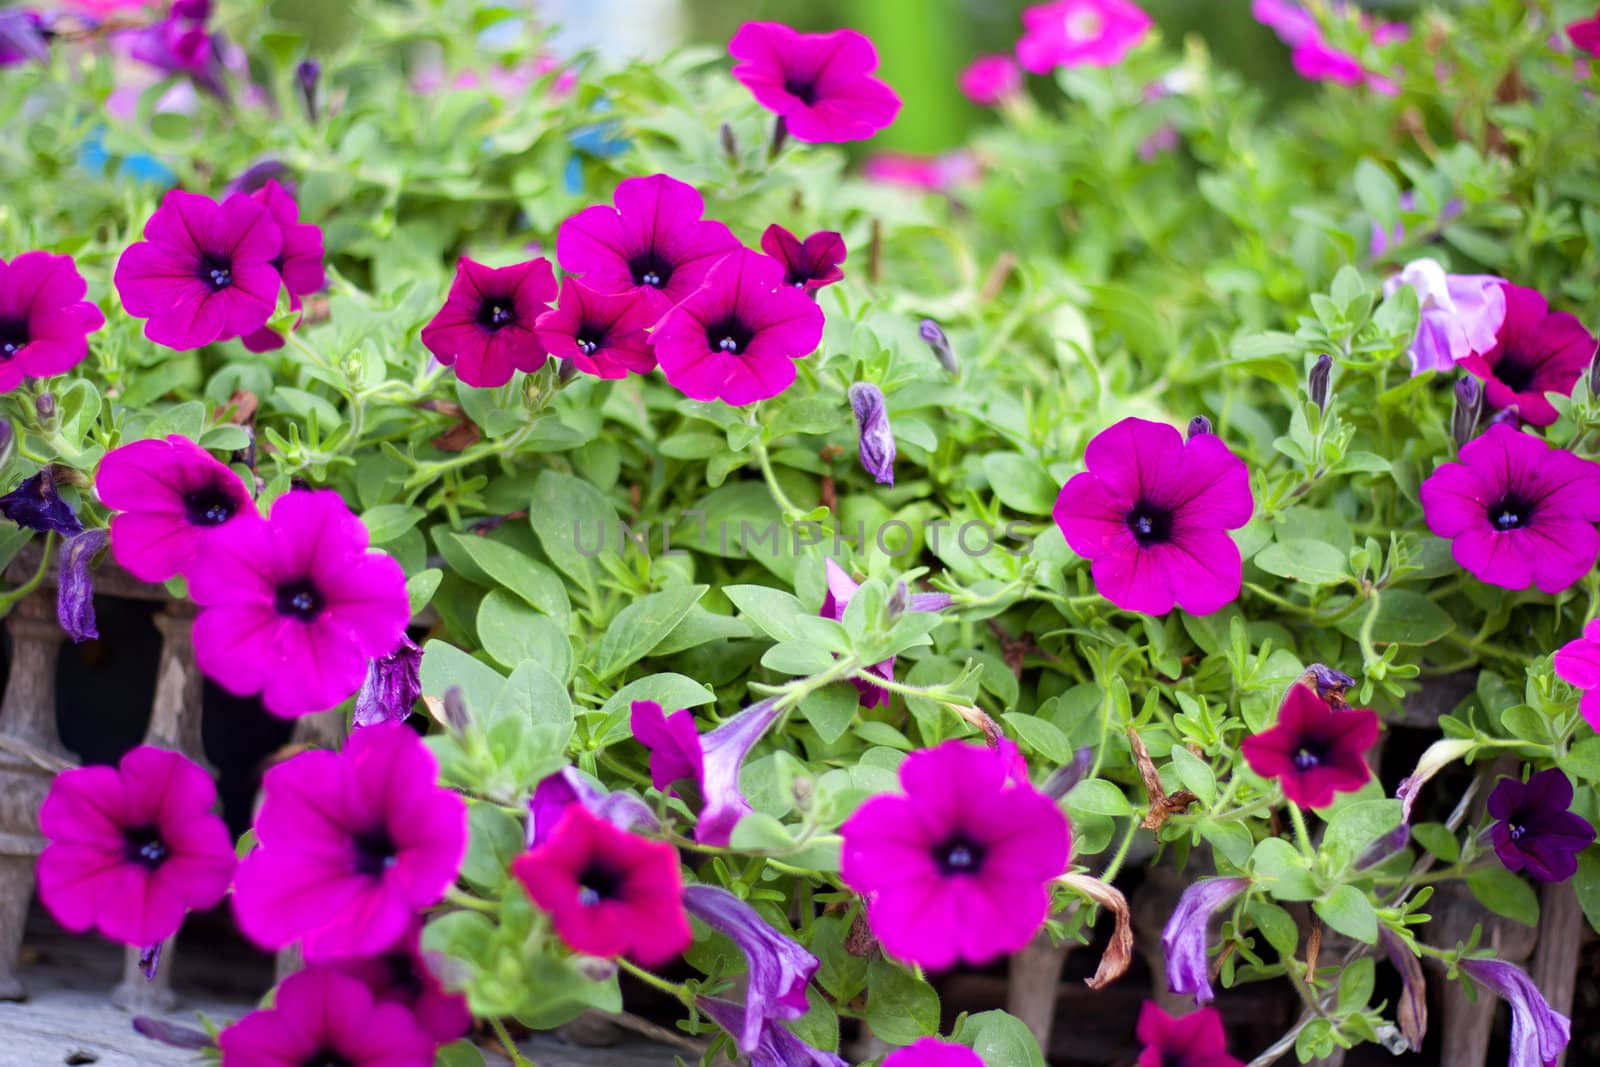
(1230, 839)
(1355, 826)
(900, 1006)
(1586, 883)
(1437, 839)
(1583, 759)
(642, 625)
(998, 1038)
(494, 839)
(1312, 562)
(1285, 873)
(1348, 911)
(1195, 774)
(444, 666)
(1041, 735)
(831, 709)
(1355, 985)
(1505, 894)
(518, 573)
(671, 691)
(1020, 483)
(1098, 797)
(1276, 925)
(576, 526)
(700, 627)
(535, 694)
(421, 586)
(760, 832)
(1378, 193)
(772, 610)
(842, 974)
(799, 658)
(461, 1053)
(1404, 618)
(511, 632)
(388, 521)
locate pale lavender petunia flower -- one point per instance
(1461, 314)
(1538, 1032)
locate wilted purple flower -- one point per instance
(933, 336)
(1185, 940)
(36, 505)
(711, 761)
(1384, 847)
(394, 682)
(172, 1034)
(1536, 830)
(23, 37)
(877, 439)
(1469, 407)
(1198, 426)
(75, 587)
(1538, 1033)
(1327, 680)
(149, 960)
(307, 75)
(1412, 1010)
(1460, 314)
(1434, 759)
(1317, 381)
(780, 969)
(777, 1046)
(554, 794)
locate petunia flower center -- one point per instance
(1512, 511)
(650, 268)
(209, 506)
(326, 1058)
(143, 846)
(1515, 374)
(802, 89)
(729, 335)
(1517, 830)
(598, 883)
(1083, 26)
(299, 600)
(496, 315)
(13, 337)
(375, 851)
(215, 271)
(402, 974)
(1151, 524)
(1308, 757)
(959, 855)
(591, 339)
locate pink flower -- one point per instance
(988, 80)
(1192, 1040)
(603, 333)
(1314, 750)
(133, 847)
(204, 271)
(819, 84)
(933, 173)
(609, 893)
(300, 261)
(324, 1016)
(1516, 511)
(931, 1052)
(1077, 33)
(486, 327)
(841, 587)
(1316, 61)
(171, 499)
(44, 319)
(294, 607)
(1461, 314)
(401, 976)
(1152, 513)
(1585, 34)
(957, 868)
(653, 242)
(1578, 664)
(809, 264)
(352, 845)
(709, 762)
(736, 338)
(1537, 351)
(1293, 24)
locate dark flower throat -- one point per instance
(1151, 524)
(208, 506)
(299, 600)
(143, 847)
(650, 268)
(375, 851)
(1512, 511)
(729, 335)
(215, 271)
(13, 337)
(496, 314)
(598, 883)
(958, 855)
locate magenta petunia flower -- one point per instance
(486, 328)
(1185, 941)
(1537, 351)
(652, 242)
(392, 686)
(299, 263)
(841, 587)
(294, 607)
(1460, 313)
(322, 1017)
(352, 845)
(1517, 511)
(171, 500)
(1077, 33)
(1293, 24)
(1151, 514)
(779, 968)
(204, 270)
(988, 80)
(938, 173)
(958, 867)
(809, 264)
(133, 848)
(1314, 750)
(778, 1046)
(820, 85)
(609, 893)
(603, 333)
(1585, 34)
(737, 337)
(44, 320)
(1193, 1040)
(402, 976)
(931, 1052)
(1578, 664)
(1316, 60)
(1538, 1032)
(710, 763)
(1535, 829)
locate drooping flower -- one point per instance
(956, 868)
(778, 1046)
(1578, 664)
(394, 682)
(653, 242)
(1467, 410)
(44, 319)
(1460, 314)
(351, 845)
(1537, 351)
(1152, 513)
(323, 1016)
(402, 976)
(37, 504)
(75, 586)
(294, 607)
(204, 271)
(809, 264)
(1585, 34)
(1314, 750)
(934, 337)
(24, 37)
(779, 968)
(132, 848)
(603, 333)
(988, 80)
(1517, 511)
(1538, 1033)
(1077, 33)
(1192, 1040)
(820, 85)
(841, 587)
(1435, 758)
(299, 263)
(485, 330)
(1535, 829)
(559, 791)
(1411, 1011)
(609, 893)
(737, 337)
(931, 1052)
(876, 439)
(711, 762)
(1184, 939)
(171, 500)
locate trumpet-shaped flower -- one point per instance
(44, 319)
(1314, 750)
(171, 501)
(486, 329)
(322, 1016)
(1536, 351)
(819, 84)
(1535, 829)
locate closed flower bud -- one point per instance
(45, 405)
(1198, 426)
(75, 586)
(899, 601)
(934, 337)
(455, 711)
(308, 73)
(1469, 406)
(877, 439)
(1317, 380)
(37, 505)
(730, 144)
(1594, 373)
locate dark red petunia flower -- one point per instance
(808, 264)
(1193, 1040)
(603, 333)
(486, 327)
(1536, 352)
(819, 84)
(1314, 750)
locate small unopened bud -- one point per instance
(1198, 426)
(730, 143)
(456, 717)
(899, 601)
(802, 789)
(934, 337)
(308, 73)
(1469, 406)
(45, 405)
(1594, 373)
(1317, 381)
(877, 439)
(566, 371)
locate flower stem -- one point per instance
(1300, 833)
(673, 988)
(517, 1058)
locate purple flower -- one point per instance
(1380, 241)
(1185, 939)
(1516, 511)
(1535, 830)
(45, 321)
(299, 262)
(324, 1016)
(255, 177)
(820, 85)
(809, 264)
(1412, 1010)
(1536, 351)
(933, 336)
(1461, 314)
(36, 504)
(485, 330)
(181, 44)
(876, 438)
(554, 794)
(307, 73)
(75, 587)
(1538, 1034)
(393, 684)
(1468, 409)
(170, 498)
(23, 37)
(711, 761)
(841, 587)
(1314, 749)
(780, 969)
(777, 1046)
